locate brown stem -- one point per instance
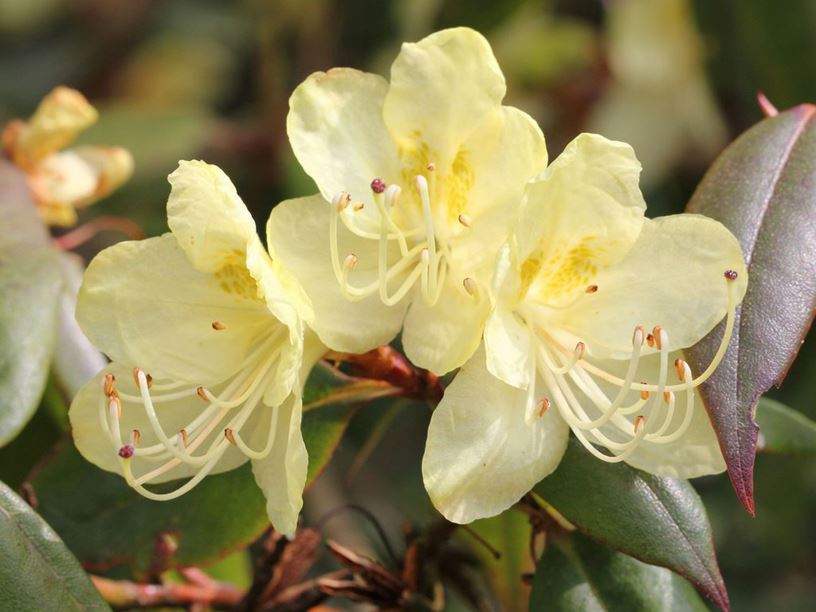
(126, 594)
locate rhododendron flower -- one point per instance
(420, 181)
(593, 303)
(64, 180)
(209, 352)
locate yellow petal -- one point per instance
(298, 237)
(207, 216)
(282, 474)
(143, 303)
(672, 277)
(442, 87)
(112, 166)
(440, 338)
(95, 445)
(61, 115)
(481, 456)
(509, 347)
(337, 133)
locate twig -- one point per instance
(126, 594)
(368, 516)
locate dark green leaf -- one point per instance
(583, 575)
(783, 430)
(36, 570)
(660, 521)
(30, 282)
(763, 188)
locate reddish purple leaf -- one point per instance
(763, 188)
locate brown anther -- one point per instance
(183, 434)
(470, 286)
(228, 435)
(657, 333)
(357, 206)
(666, 396)
(730, 274)
(350, 261)
(218, 326)
(644, 395)
(679, 366)
(136, 376)
(136, 436)
(202, 393)
(430, 167)
(343, 201)
(591, 288)
(650, 340)
(638, 330)
(110, 384)
(543, 406)
(580, 348)
(465, 220)
(640, 421)
(149, 380)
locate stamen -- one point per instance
(644, 395)
(229, 436)
(543, 406)
(657, 334)
(591, 288)
(109, 384)
(203, 394)
(218, 326)
(640, 423)
(650, 340)
(680, 368)
(357, 206)
(183, 437)
(431, 167)
(135, 437)
(471, 286)
(349, 262)
(422, 187)
(465, 220)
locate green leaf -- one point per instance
(330, 400)
(783, 430)
(30, 282)
(36, 570)
(660, 521)
(579, 574)
(509, 533)
(106, 523)
(763, 188)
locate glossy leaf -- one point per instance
(37, 572)
(784, 430)
(106, 523)
(660, 521)
(30, 282)
(763, 188)
(579, 574)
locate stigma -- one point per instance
(411, 253)
(613, 416)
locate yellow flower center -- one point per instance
(421, 238)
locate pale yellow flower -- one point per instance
(593, 303)
(64, 180)
(424, 175)
(209, 352)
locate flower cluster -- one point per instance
(439, 219)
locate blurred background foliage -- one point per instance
(210, 79)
